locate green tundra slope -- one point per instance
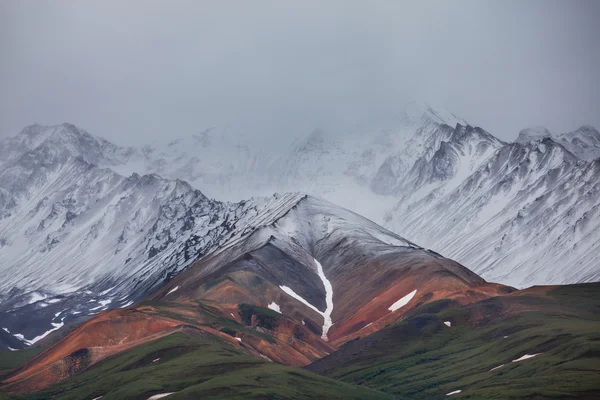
(197, 368)
(423, 358)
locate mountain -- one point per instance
(537, 343)
(529, 214)
(143, 287)
(76, 239)
(512, 212)
(403, 178)
(583, 143)
(305, 277)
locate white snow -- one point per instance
(21, 338)
(56, 326)
(327, 322)
(526, 357)
(448, 323)
(35, 297)
(97, 398)
(275, 307)
(160, 396)
(156, 360)
(238, 339)
(303, 323)
(328, 300)
(172, 290)
(232, 315)
(455, 392)
(495, 368)
(403, 301)
(11, 349)
(505, 337)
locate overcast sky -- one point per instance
(134, 71)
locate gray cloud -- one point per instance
(139, 70)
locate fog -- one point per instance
(138, 71)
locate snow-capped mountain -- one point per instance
(530, 214)
(108, 229)
(76, 239)
(414, 175)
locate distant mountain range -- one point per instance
(138, 285)
(521, 213)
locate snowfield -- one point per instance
(403, 301)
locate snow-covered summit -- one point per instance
(583, 142)
(533, 134)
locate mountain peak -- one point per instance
(533, 133)
(583, 142)
(419, 113)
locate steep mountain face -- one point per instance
(405, 179)
(392, 177)
(584, 142)
(531, 210)
(76, 239)
(450, 186)
(328, 267)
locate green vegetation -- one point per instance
(421, 358)
(194, 368)
(418, 358)
(10, 360)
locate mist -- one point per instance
(139, 71)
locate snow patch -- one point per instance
(275, 307)
(495, 368)
(366, 326)
(156, 360)
(448, 324)
(238, 339)
(403, 301)
(172, 290)
(160, 396)
(526, 356)
(56, 326)
(328, 300)
(11, 349)
(35, 297)
(455, 392)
